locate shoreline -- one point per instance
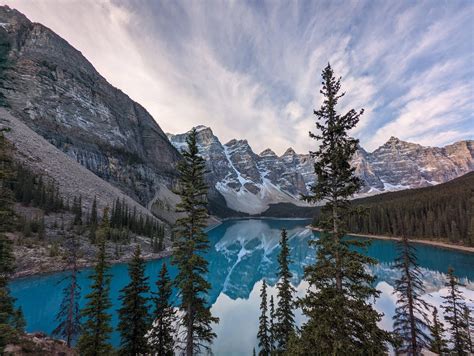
(57, 268)
(84, 265)
(438, 244)
(152, 257)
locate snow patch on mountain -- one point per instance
(250, 182)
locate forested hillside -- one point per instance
(445, 211)
(43, 220)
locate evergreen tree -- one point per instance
(453, 306)
(189, 245)
(8, 314)
(440, 212)
(69, 317)
(438, 343)
(134, 320)
(94, 339)
(341, 318)
(263, 334)
(272, 327)
(77, 210)
(410, 319)
(10, 318)
(7, 197)
(19, 322)
(93, 220)
(469, 321)
(285, 317)
(161, 334)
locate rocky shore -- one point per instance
(439, 244)
(31, 262)
(38, 344)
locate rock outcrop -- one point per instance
(39, 344)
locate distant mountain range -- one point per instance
(65, 116)
(250, 182)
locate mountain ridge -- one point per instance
(56, 92)
(52, 88)
(251, 182)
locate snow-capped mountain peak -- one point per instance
(250, 182)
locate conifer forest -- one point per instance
(294, 178)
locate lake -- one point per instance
(242, 254)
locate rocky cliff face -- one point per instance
(54, 90)
(250, 182)
(402, 165)
(247, 181)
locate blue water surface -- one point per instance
(242, 254)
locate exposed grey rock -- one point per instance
(73, 179)
(38, 344)
(52, 88)
(49, 86)
(250, 182)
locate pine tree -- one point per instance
(77, 210)
(285, 317)
(93, 220)
(9, 316)
(410, 319)
(94, 339)
(469, 321)
(7, 177)
(161, 334)
(263, 334)
(189, 245)
(19, 322)
(134, 320)
(438, 343)
(272, 332)
(453, 306)
(8, 313)
(341, 318)
(69, 317)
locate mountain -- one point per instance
(251, 182)
(73, 180)
(56, 92)
(50, 87)
(403, 165)
(248, 182)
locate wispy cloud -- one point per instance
(252, 69)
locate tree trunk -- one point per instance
(457, 345)
(189, 332)
(414, 345)
(336, 241)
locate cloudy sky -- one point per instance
(251, 69)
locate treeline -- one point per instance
(148, 325)
(31, 189)
(445, 211)
(122, 217)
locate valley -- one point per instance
(118, 237)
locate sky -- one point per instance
(252, 69)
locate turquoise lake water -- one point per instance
(242, 254)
